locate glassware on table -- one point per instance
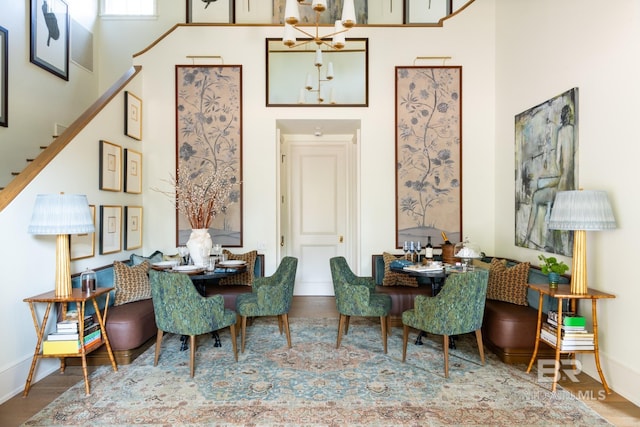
(405, 248)
(183, 251)
(417, 250)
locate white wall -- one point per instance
(37, 98)
(544, 48)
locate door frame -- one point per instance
(353, 232)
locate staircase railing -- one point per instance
(32, 170)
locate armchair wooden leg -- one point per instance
(192, 359)
(158, 345)
(234, 344)
(243, 332)
(383, 326)
(446, 356)
(480, 346)
(285, 321)
(346, 324)
(388, 325)
(280, 324)
(405, 338)
(341, 325)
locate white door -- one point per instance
(317, 207)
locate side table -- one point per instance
(563, 292)
(80, 298)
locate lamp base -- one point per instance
(579, 263)
(63, 267)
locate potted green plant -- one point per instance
(553, 269)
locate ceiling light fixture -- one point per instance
(292, 18)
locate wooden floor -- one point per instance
(17, 410)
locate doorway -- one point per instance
(318, 199)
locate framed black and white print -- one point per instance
(133, 171)
(4, 76)
(210, 11)
(110, 166)
(132, 116)
(133, 229)
(110, 229)
(83, 245)
(50, 36)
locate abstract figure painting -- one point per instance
(209, 139)
(428, 153)
(546, 149)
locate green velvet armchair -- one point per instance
(270, 296)
(180, 309)
(457, 309)
(355, 296)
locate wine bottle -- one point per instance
(444, 238)
(428, 250)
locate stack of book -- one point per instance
(66, 339)
(573, 335)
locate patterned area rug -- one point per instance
(315, 384)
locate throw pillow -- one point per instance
(131, 283)
(245, 278)
(508, 284)
(153, 258)
(391, 278)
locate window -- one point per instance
(128, 7)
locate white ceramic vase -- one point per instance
(199, 245)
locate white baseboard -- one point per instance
(13, 378)
(621, 379)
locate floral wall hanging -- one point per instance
(428, 153)
(209, 144)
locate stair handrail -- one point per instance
(32, 170)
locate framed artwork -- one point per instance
(4, 76)
(209, 135)
(428, 153)
(50, 36)
(110, 166)
(133, 229)
(110, 229)
(210, 11)
(133, 171)
(132, 116)
(84, 245)
(546, 161)
(332, 14)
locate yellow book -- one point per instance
(60, 347)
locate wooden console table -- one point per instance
(563, 292)
(80, 298)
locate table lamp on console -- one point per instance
(62, 215)
(581, 211)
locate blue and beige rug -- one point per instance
(315, 384)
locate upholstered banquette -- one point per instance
(511, 309)
(131, 325)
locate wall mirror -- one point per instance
(293, 79)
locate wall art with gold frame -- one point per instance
(84, 245)
(428, 153)
(133, 227)
(110, 229)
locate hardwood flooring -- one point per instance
(616, 409)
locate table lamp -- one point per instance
(581, 211)
(61, 214)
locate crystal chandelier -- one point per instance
(292, 18)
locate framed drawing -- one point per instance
(133, 171)
(428, 154)
(133, 229)
(546, 150)
(50, 36)
(4, 76)
(84, 245)
(425, 12)
(332, 14)
(209, 136)
(132, 116)
(110, 229)
(110, 166)
(210, 11)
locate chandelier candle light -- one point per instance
(292, 18)
(581, 211)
